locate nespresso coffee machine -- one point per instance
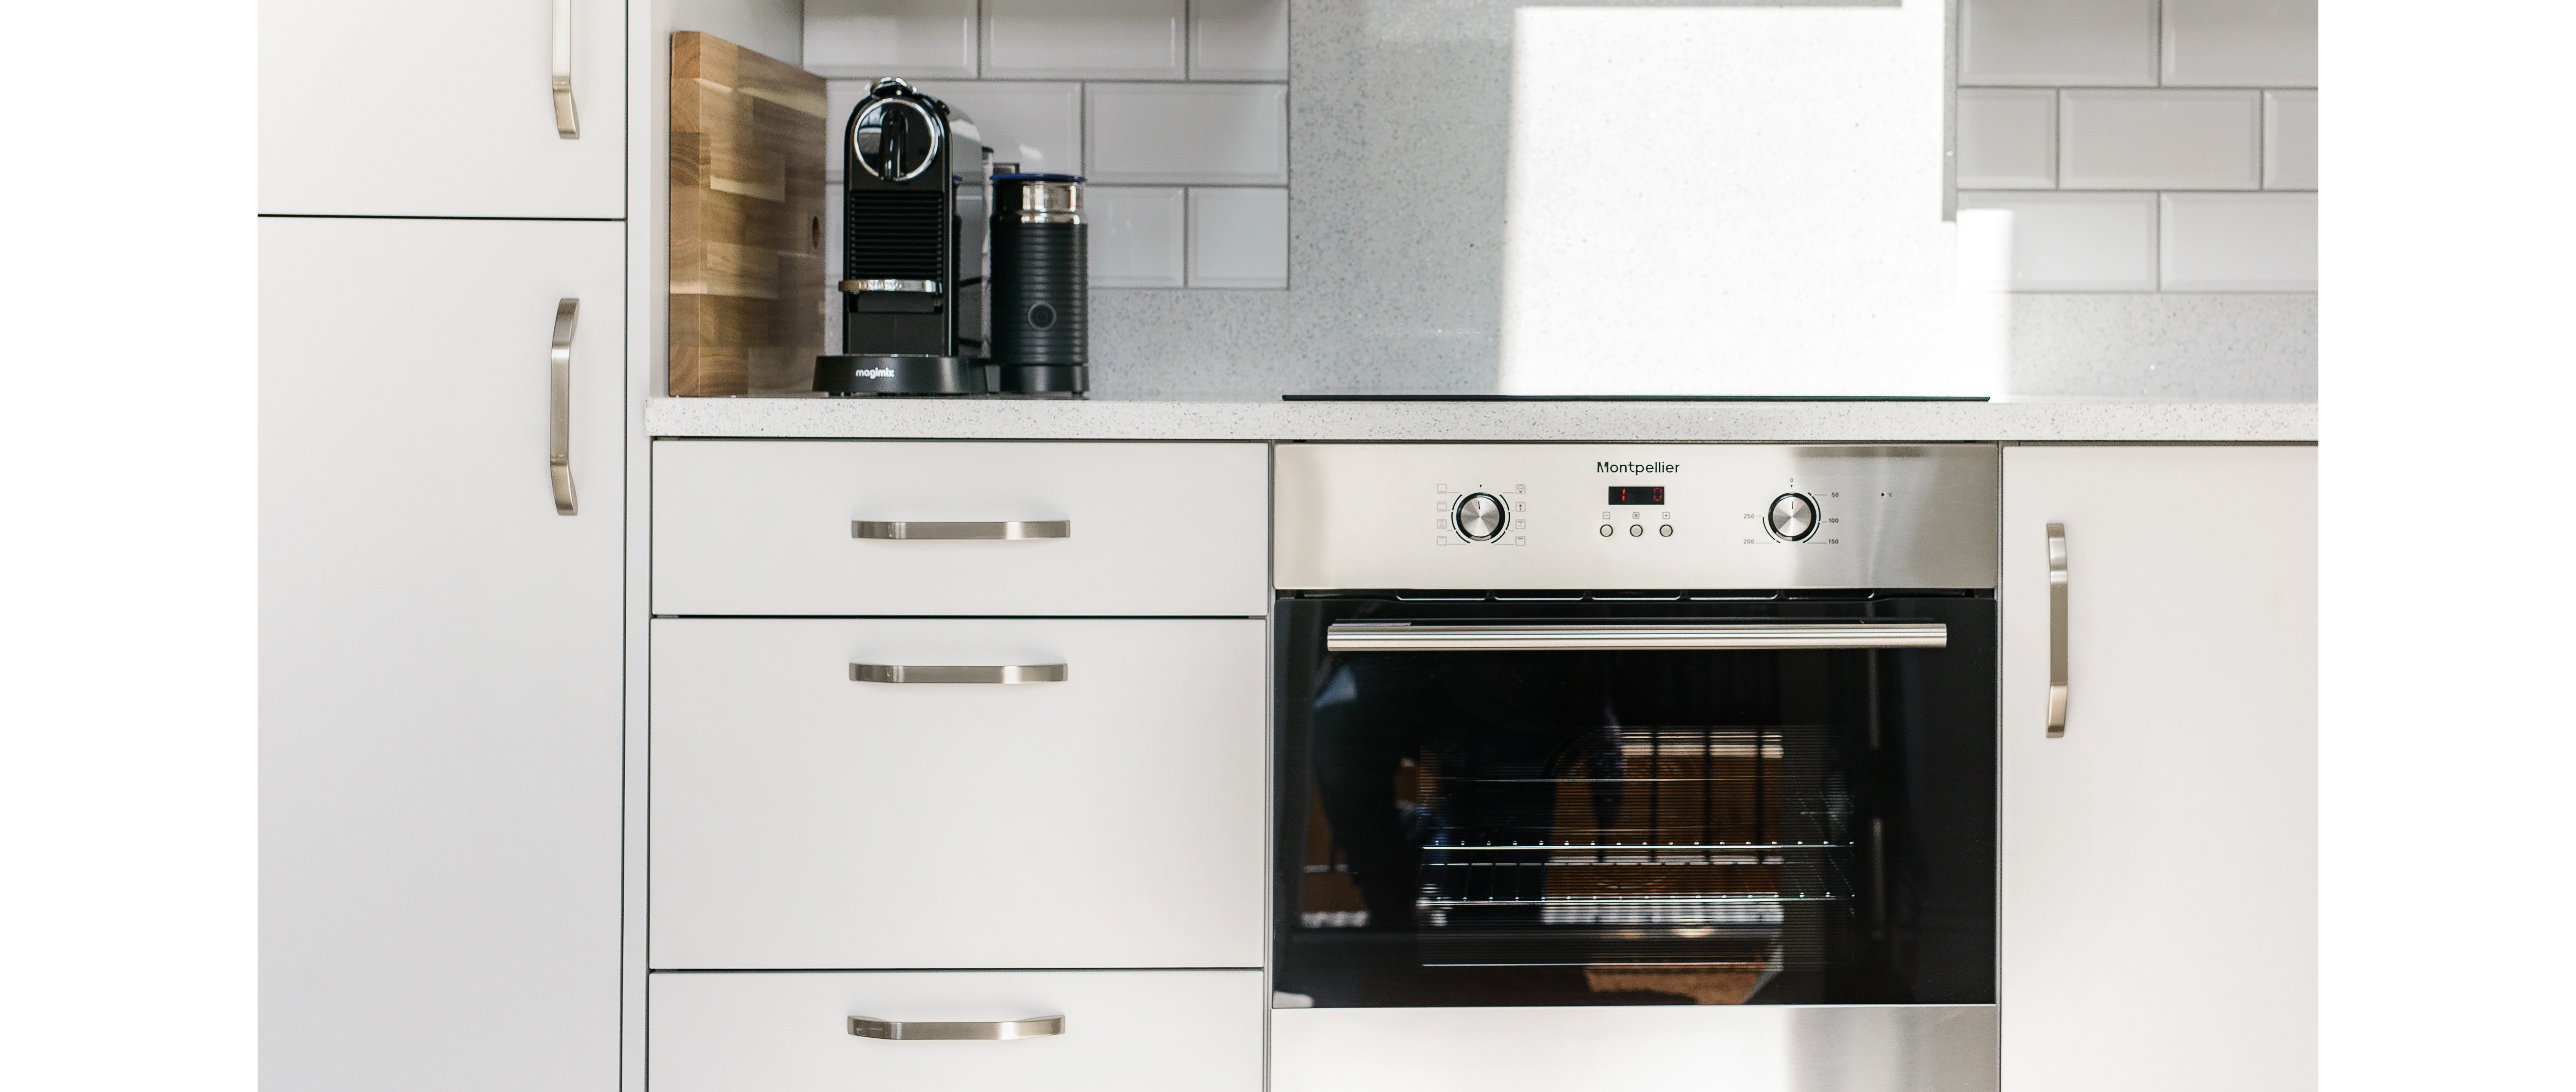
(905, 158)
(917, 180)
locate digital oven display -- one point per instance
(1636, 494)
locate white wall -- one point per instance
(1739, 200)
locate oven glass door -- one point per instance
(1678, 802)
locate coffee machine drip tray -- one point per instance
(849, 374)
(845, 374)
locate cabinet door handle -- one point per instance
(990, 530)
(869, 1027)
(559, 407)
(2056, 630)
(1004, 674)
(567, 120)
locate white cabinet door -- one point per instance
(439, 109)
(2159, 861)
(1123, 1031)
(804, 820)
(439, 658)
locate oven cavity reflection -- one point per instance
(1659, 859)
(1639, 827)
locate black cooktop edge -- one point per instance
(1633, 398)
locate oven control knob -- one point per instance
(1480, 517)
(1793, 517)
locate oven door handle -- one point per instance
(1634, 637)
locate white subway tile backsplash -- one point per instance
(890, 38)
(2079, 43)
(2289, 140)
(1187, 133)
(2240, 43)
(1135, 236)
(1238, 39)
(1085, 39)
(1238, 238)
(2239, 242)
(2067, 242)
(2007, 139)
(2207, 140)
(1036, 125)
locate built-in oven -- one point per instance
(1640, 725)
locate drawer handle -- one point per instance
(1005, 674)
(989, 530)
(869, 1027)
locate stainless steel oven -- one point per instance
(1642, 725)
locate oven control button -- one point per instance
(1793, 517)
(1479, 517)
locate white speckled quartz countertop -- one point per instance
(2036, 420)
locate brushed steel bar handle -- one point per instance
(994, 530)
(1713, 636)
(559, 407)
(870, 1027)
(567, 120)
(2056, 630)
(1004, 674)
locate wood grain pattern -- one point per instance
(747, 291)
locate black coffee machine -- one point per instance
(917, 180)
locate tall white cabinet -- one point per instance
(2158, 860)
(442, 109)
(440, 664)
(440, 648)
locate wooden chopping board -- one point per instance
(747, 291)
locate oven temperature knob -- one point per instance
(1480, 517)
(1793, 517)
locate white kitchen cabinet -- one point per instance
(802, 819)
(764, 527)
(441, 109)
(440, 657)
(2159, 861)
(1128, 1031)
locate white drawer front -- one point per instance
(803, 820)
(764, 527)
(1133, 1031)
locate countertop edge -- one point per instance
(1486, 422)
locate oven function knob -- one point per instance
(1479, 517)
(1793, 517)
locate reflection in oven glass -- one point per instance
(1663, 859)
(1469, 828)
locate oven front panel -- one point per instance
(1476, 516)
(1801, 825)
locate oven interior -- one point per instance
(1636, 827)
